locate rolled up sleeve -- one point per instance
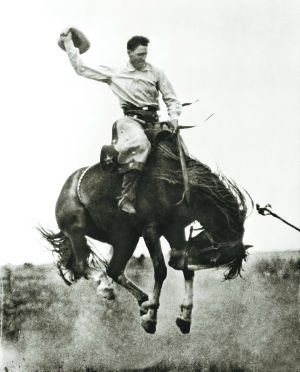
(102, 74)
(169, 96)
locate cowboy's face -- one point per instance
(137, 57)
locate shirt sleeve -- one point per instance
(100, 74)
(169, 96)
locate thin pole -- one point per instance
(265, 211)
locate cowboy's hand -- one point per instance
(66, 34)
(174, 125)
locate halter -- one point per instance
(215, 246)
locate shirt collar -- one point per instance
(130, 68)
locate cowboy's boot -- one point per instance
(129, 189)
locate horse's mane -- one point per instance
(217, 188)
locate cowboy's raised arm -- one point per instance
(77, 63)
(169, 96)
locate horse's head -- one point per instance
(204, 250)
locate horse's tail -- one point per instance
(61, 248)
(54, 239)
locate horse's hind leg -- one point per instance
(80, 266)
(176, 237)
(104, 284)
(149, 318)
(80, 251)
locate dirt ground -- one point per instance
(249, 324)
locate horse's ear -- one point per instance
(247, 246)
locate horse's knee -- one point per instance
(160, 273)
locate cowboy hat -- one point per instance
(79, 39)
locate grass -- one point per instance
(249, 324)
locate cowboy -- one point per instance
(137, 86)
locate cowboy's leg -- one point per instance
(129, 190)
(133, 148)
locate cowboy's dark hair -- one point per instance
(136, 41)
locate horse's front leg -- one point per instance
(176, 238)
(149, 308)
(124, 247)
(132, 288)
(185, 318)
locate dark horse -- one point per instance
(87, 207)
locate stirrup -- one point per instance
(126, 205)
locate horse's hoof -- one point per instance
(144, 308)
(149, 325)
(107, 293)
(143, 311)
(144, 299)
(183, 325)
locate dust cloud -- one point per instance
(242, 325)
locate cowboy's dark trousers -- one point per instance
(129, 190)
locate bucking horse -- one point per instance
(87, 207)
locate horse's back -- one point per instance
(98, 192)
(68, 203)
(97, 186)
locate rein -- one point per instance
(187, 192)
(214, 247)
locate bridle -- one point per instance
(213, 247)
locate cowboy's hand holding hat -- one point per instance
(66, 34)
(79, 39)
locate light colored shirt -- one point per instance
(139, 88)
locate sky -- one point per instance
(239, 58)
